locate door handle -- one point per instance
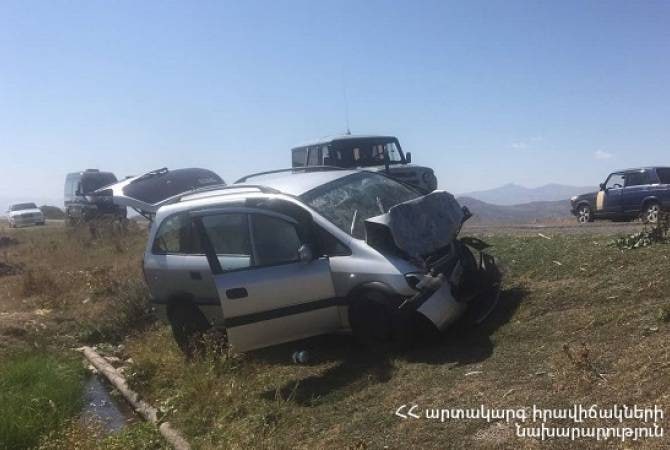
(195, 275)
(236, 293)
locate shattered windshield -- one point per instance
(22, 206)
(350, 201)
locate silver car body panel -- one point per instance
(258, 320)
(25, 217)
(442, 308)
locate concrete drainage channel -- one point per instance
(148, 412)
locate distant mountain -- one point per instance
(527, 213)
(514, 194)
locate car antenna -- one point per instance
(346, 103)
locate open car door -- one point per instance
(146, 193)
(272, 289)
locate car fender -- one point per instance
(648, 199)
(371, 286)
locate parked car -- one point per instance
(378, 153)
(81, 204)
(24, 214)
(302, 252)
(625, 195)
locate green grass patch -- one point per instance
(38, 393)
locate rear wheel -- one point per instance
(188, 326)
(584, 214)
(651, 212)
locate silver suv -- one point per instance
(300, 253)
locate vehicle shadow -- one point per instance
(356, 366)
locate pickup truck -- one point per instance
(626, 194)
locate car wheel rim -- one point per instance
(583, 215)
(652, 214)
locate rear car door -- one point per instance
(268, 294)
(634, 192)
(178, 267)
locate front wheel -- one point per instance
(376, 321)
(651, 213)
(584, 214)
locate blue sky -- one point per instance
(487, 93)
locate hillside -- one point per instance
(514, 194)
(534, 212)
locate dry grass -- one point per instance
(579, 322)
(73, 285)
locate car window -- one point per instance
(299, 157)
(313, 157)
(229, 235)
(276, 241)
(330, 245)
(177, 235)
(22, 206)
(636, 179)
(615, 181)
(393, 152)
(95, 181)
(663, 175)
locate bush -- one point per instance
(38, 394)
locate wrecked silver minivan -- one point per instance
(303, 252)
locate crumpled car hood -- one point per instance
(421, 226)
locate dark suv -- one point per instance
(80, 202)
(626, 194)
(372, 153)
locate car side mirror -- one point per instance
(602, 186)
(305, 253)
(408, 157)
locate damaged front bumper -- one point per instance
(445, 300)
(425, 230)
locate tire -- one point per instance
(651, 212)
(376, 321)
(188, 325)
(584, 214)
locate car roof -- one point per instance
(344, 137)
(90, 173)
(298, 183)
(638, 169)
